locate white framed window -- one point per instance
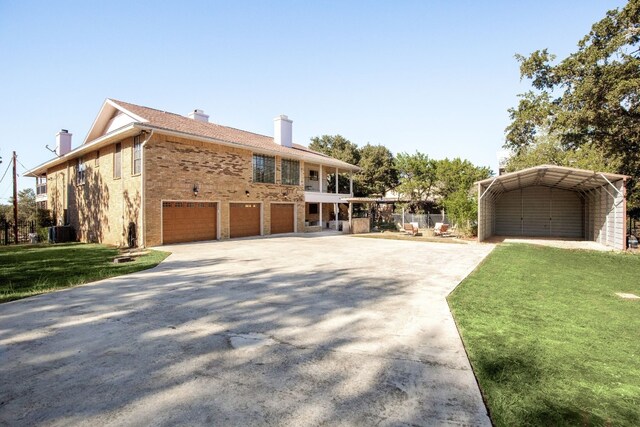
(290, 172)
(117, 162)
(136, 162)
(81, 171)
(264, 169)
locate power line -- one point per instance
(5, 172)
(23, 167)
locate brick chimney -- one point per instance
(283, 131)
(63, 142)
(199, 116)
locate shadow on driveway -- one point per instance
(288, 331)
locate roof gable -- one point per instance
(111, 117)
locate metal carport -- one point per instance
(554, 201)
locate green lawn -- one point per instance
(31, 270)
(548, 339)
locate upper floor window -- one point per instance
(117, 161)
(41, 185)
(136, 166)
(81, 171)
(264, 169)
(290, 172)
(98, 158)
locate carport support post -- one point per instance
(480, 215)
(320, 217)
(335, 213)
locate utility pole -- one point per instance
(15, 200)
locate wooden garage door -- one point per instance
(281, 218)
(244, 219)
(189, 221)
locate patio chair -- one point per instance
(411, 228)
(440, 229)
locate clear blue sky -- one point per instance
(433, 76)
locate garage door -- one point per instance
(189, 221)
(281, 218)
(539, 211)
(536, 214)
(245, 219)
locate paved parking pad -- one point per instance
(296, 330)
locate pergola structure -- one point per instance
(554, 201)
(363, 225)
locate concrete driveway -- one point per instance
(298, 330)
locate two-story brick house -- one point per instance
(165, 178)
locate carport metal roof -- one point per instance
(579, 180)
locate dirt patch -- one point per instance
(553, 242)
(627, 296)
(420, 237)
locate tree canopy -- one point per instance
(415, 177)
(337, 147)
(589, 100)
(379, 172)
(550, 151)
(458, 175)
(417, 174)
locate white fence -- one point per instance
(424, 220)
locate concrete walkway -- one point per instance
(329, 330)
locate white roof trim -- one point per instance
(134, 128)
(124, 110)
(106, 139)
(551, 176)
(104, 115)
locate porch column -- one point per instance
(320, 181)
(336, 180)
(335, 212)
(320, 212)
(350, 217)
(351, 184)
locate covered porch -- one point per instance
(326, 216)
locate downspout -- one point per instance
(142, 187)
(67, 192)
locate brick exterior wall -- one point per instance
(101, 209)
(172, 166)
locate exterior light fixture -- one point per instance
(247, 193)
(196, 190)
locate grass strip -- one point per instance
(28, 270)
